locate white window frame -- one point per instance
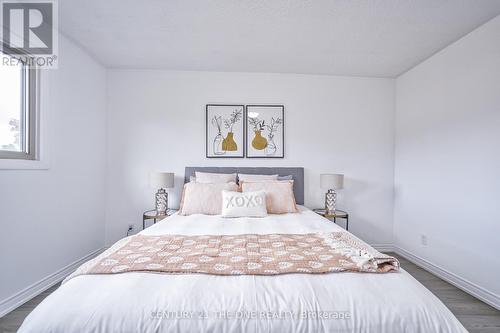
(29, 117)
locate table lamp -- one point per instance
(161, 181)
(331, 182)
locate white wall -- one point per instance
(50, 218)
(333, 124)
(447, 160)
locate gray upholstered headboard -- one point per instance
(297, 174)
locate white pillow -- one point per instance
(256, 178)
(248, 204)
(207, 177)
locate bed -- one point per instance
(333, 302)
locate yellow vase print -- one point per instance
(228, 144)
(259, 142)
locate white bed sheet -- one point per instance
(148, 302)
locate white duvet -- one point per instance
(149, 302)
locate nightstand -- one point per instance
(339, 214)
(153, 215)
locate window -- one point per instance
(18, 98)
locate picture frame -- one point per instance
(225, 131)
(265, 131)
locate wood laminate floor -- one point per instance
(475, 315)
(13, 320)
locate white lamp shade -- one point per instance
(331, 181)
(161, 179)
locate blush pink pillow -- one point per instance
(279, 195)
(204, 198)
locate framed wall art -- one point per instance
(225, 129)
(265, 135)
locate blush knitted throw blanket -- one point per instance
(251, 254)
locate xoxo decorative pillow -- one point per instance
(249, 204)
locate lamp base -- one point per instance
(330, 202)
(161, 202)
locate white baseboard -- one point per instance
(461, 283)
(16, 300)
(383, 247)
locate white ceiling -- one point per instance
(380, 38)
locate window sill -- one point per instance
(7, 164)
